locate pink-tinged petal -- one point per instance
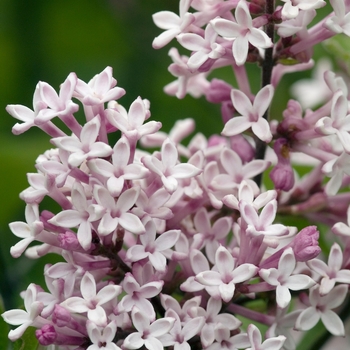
(259, 39)
(339, 108)
(222, 227)
(90, 131)
(255, 167)
(244, 272)
(307, 319)
(298, 282)
(199, 262)
(166, 19)
(98, 316)
(201, 221)
(132, 223)
(192, 42)
(214, 306)
(100, 149)
(268, 214)
(136, 253)
(184, 171)
(336, 297)
(224, 261)
(151, 289)
(153, 343)
(241, 102)
(274, 343)
(326, 285)
(133, 341)
(271, 276)
(343, 276)
(17, 333)
(333, 323)
(287, 262)
(88, 286)
(22, 113)
(107, 224)
(161, 326)
(167, 239)
(335, 259)
(344, 138)
(101, 166)
(262, 130)
(192, 327)
(254, 336)
(236, 126)
(341, 229)
(49, 95)
(226, 28)
(121, 154)
(165, 38)
(240, 49)
(137, 113)
(68, 218)
(170, 183)
(115, 185)
(283, 296)
(15, 317)
(84, 235)
(68, 86)
(108, 293)
(169, 154)
(127, 199)
(226, 291)
(249, 214)
(209, 278)
(20, 229)
(319, 267)
(263, 99)
(242, 15)
(140, 321)
(75, 304)
(18, 249)
(158, 261)
(67, 143)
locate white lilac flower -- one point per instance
(102, 337)
(284, 280)
(256, 343)
(251, 114)
(242, 31)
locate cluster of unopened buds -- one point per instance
(172, 248)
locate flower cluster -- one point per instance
(168, 248)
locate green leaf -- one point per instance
(28, 341)
(5, 343)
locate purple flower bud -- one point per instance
(282, 174)
(61, 316)
(219, 91)
(46, 335)
(215, 140)
(243, 148)
(305, 245)
(69, 241)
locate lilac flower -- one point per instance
(254, 336)
(149, 334)
(340, 22)
(251, 114)
(101, 88)
(82, 216)
(172, 23)
(168, 168)
(92, 300)
(291, 8)
(102, 338)
(85, 147)
(227, 274)
(243, 32)
(117, 212)
(138, 295)
(331, 273)
(283, 279)
(321, 308)
(23, 318)
(27, 231)
(205, 48)
(153, 248)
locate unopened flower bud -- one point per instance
(282, 174)
(305, 245)
(61, 316)
(46, 335)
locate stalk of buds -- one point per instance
(167, 249)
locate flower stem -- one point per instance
(267, 67)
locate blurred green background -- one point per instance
(46, 40)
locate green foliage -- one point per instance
(28, 341)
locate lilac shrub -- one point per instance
(175, 245)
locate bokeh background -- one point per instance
(46, 40)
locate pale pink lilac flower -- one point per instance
(27, 231)
(172, 23)
(332, 272)
(251, 114)
(340, 22)
(153, 248)
(92, 299)
(227, 274)
(21, 318)
(291, 8)
(148, 334)
(86, 146)
(242, 31)
(275, 343)
(321, 309)
(102, 338)
(284, 280)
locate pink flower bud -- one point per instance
(61, 316)
(219, 91)
(305, 245)
(69, 241)
(243, 148)
(46, 335)
(282, 174)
